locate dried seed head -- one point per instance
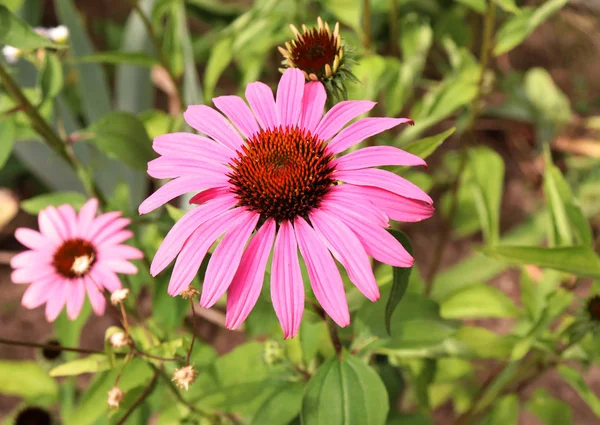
(190, 292)
(115, 397)
(184, 377)
(119, 296)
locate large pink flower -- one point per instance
(269, 175)
(73, 254)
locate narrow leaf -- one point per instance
(428, 145)
(399, 281)
(14, 32)
(119, 57)
(575, 380)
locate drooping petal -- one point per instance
(361, 130)
(33, 239)
(247, 282)
(287, 289)
(97, 300)
(169, 168)
(182, 230)
(226, 258)
(86, 216)
(196, 247)
(188, 145)
(239, 113)
(38, 292)
(395, 206)
(105, 278)
(178, 187)
(289, 96)
(377, 156)
(348, 250)
(324, 276)
(342, 201)
(56, 301)
(340, 115)
(384, 180)
(208, 121)
(313, 103)
(260, 98)
(75, 298)
(69, 218)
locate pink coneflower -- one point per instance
(273, 179)
(71, 255)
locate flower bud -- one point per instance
(115, 397)
(119, 296)
(119, 339)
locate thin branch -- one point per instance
(140, 399)
(48, 346)
(187, 360)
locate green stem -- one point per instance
(366, 12)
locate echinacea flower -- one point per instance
(73, 254)
(273, 169)
(320, 55)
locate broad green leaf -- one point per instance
(169, 311)
(400, 280)
(550, 410)
(505, 411)
(220, 58)
(507, 5)
(347, 12)
(14, 32)
(13, 5)
(520, 26)
(51, 78)
(487, 169)
(426, 146)
(120, 57)
(345, 392)
(478, 301)
(411, 419)
(38, 203)
(122, 136)
(7, 130)
(283, 406)
(578, 260)
(483, 343)
(476, 5)
(92, 364)
(25, 379)
(575, 380)
(551, 105)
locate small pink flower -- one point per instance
(275, 171)
(73, 254)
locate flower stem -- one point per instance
(366, 15)
(140, 399)
(187, 360)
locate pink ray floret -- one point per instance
(271, 180)
(73, 255)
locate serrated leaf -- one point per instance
(399, 280)
(38, 203)
(478, 301)
(15, 32)
(345, 392)
(25, 379)
(426, 146)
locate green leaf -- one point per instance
(549, 410)
(552, 107)
(91, 364)
(428, 145)
(14, 32)
(519, 27)
(175, 213)
(507, 5)
(25, 379)
(192, 91)
(400, 280)
(283, 406)
(345, 392)
(483, 343)
(476, 5)
(38, 203)
(578, 260)
(575, 380)
(505, 411)
(119, 57)
(478, 301)
(220, 58)
(122, 136)
(51, 78)
(8, 131)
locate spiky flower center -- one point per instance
(74, 258)
(282, 173)
(593, 308)
(313, 50)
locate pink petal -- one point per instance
(340, 115)
(377, 156)
(260, 98)
(104, 278)
(31, 259)
(116, 239)
(97, 300)
(342, 201)
(196, 247)
(33, 239)
(123, 252)
(287, 289)
(384, 180)
(289, 97)
(208, 194)
(101, 222)
(187, 225)
(32, 273)
(119, 266)
(69, 218)
(108, 231)
(396, 207)
(188, 145)
(226, 258)
(38, 292)
(323, 273)
(52, 225)
(348, 250)
(75, 299)
(247, 283)
(239, 113)
(208, 121)
(378, 243)
(56, 300)
(168, 168)
(87, 213)
(361, 130)
(178, 187)
(313, 102)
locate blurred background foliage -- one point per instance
(505, 99)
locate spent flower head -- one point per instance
(184, 377)
(119, 296)
(115, 397)
(190, 292)
(119, 340)
(319, 53)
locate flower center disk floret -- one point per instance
(282, 173)
(74, 258)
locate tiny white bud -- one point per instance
(119, 296)
(59, 34)
(11, 54)
(115, 397)
(119, 339)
